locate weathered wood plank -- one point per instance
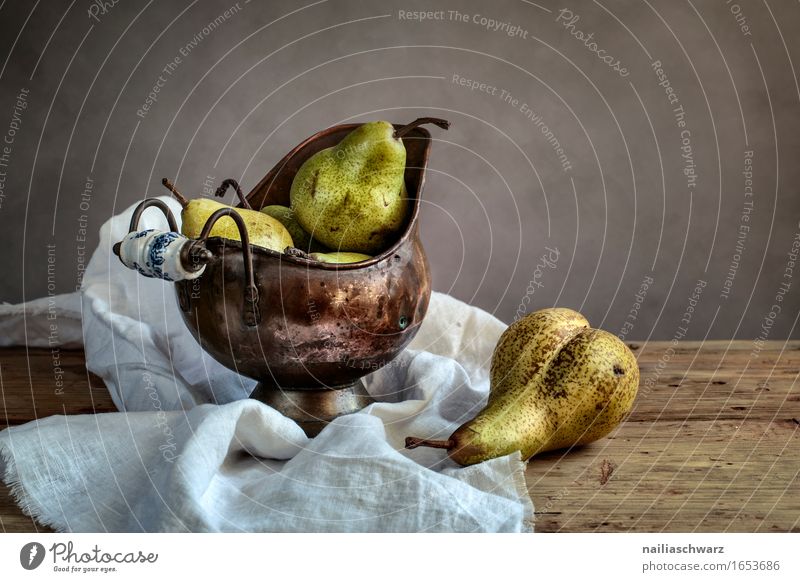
(12, 520)
(674, 476)
(698, 399)
(711, 446)
(29, 387)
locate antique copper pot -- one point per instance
(308, 331)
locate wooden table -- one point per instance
(711, 444)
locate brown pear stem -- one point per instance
(443, 123)
(414, 442)
(178, 196)
(224, 187)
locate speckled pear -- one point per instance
(555, 383)
(351, 197)
(339, 257)
(302, 240)
(265, 231)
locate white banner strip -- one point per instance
(401, 557)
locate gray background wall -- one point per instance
(497, 195)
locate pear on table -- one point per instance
(352, 196)
(264, 230)
(555, 383)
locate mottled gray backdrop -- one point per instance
(634, 160)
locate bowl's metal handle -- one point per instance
(147, 203)
(251, 314)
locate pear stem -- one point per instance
(178, 196)
(414, 442)
(224, 187)
(443, 123)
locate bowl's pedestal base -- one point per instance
(313, 408)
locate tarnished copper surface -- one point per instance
(321, 326)
(313, 409)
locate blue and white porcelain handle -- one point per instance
(158, 254)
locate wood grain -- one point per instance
(711, 443)
(29, 389)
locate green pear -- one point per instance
(352, 196)
(302, 240)
(555, 383)
(264, 231)
(339, 257)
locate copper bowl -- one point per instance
(311, 330)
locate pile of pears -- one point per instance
(554, 383)
(348, 202)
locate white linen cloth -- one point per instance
(190, 452)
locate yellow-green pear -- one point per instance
(339, 257)
(264, 231)
(352, 196)
(302, 240)
(555, 383)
